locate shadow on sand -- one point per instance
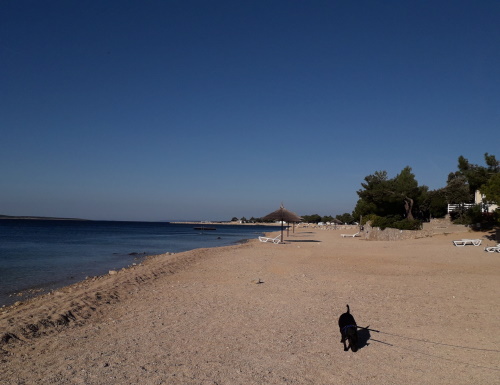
(363, 337)
(301, 240)
(494, 235)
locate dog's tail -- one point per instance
(348, 310)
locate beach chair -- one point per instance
(493, 249)
(476, 242)
(463, 242)
(277, 239)
(350, 235)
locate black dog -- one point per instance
(348, 330)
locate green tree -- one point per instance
(373, 196)
(389, 197)
(457, 189)
(492, 163)
(407, 190)
(476, 175)
(326, 218)
(345, 218)
(314, 218)
(436, 204)
(492, 189)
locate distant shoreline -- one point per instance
(41, 218)
(14, 217)
(223, 223)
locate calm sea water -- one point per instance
(38, 255)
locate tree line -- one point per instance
(400, 202)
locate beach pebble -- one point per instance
(113, 272)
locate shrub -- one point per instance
(407, 224)
(474, 216)
(368, 218)
(396, 222)
(384, 222)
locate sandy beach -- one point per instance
(202, 317)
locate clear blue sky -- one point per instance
(167, 110)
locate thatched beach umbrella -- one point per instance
(282, 215)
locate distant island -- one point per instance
(41, 218)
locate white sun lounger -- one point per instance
(350, 235)
(277, 239)
(463, 242)
(492, 249)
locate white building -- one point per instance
(478, 199)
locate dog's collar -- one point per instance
(347, 327)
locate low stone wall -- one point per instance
(435, 226)
(388, 234)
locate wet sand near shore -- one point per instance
(201, 317)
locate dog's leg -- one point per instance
(343, 341)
